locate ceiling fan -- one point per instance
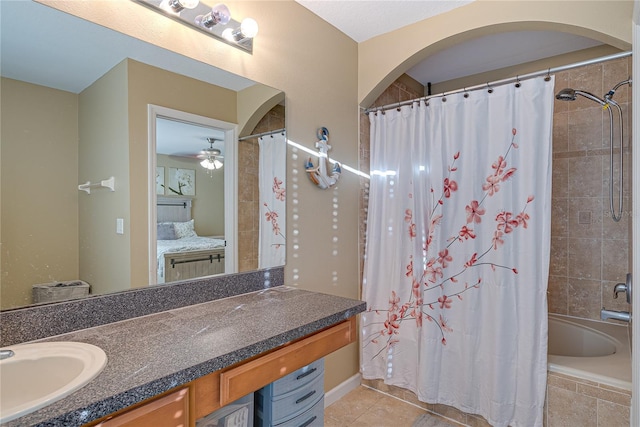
(212, 158)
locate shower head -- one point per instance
(570, 95)
(566, 95)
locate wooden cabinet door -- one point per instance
(171, 410)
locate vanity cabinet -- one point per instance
(201, 397)
(171, 410)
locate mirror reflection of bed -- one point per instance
(182, 253)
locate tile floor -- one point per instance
(365, 407)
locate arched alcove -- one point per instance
(384, 58)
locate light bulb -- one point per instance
(189, 4)
(176, 6)
(219, 15)
(249, 28)
(227, 34)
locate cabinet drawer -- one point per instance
(298, 378)
(250, 376)
(171, 410)
(298, 401)
(313, 417)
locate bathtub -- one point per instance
(591, 350)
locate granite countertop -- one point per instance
(152, 354)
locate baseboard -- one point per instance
(341, 389)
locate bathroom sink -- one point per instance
(39, 374)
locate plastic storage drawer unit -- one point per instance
(294, 399)
(236, 414)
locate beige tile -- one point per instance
(477, 421)
(584, 128)
(615, 260)
(559, 260)
(389, 409)
(584, 258)
(604, 394)
(584, 299)
(353, 405)
(611, 229)
(451, 413)
(557, 294)
(585, 177)
(562, 382)
(588, 79)
(560, 132)
(560, 178)
(612, 415)
(585, 217)
(567, 408)
(559, 217)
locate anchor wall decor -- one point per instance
(318, 174)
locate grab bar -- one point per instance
(210, 258)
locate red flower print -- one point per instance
(444, 257)
(432, 273)
(409, 272)
(499, 165)
(474, 210)
(412, 231)
(408, 215)
(472, 260)
(449, 187)
(514, 131)
(455, 156)
(497, 239)
(444, 326)
(280, 194)
(466, 233)
(492, 185)
(508, 174)
(530, 198)
(522, 219)
(393, 301)
(445, 301)
(271, 216)
(391, 324)
(505, 222)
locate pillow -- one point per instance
(184, 229)
(166, 231)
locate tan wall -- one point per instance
(150, 85)
(103, 152)
(208, 203)
(39, 136)
(318, 93)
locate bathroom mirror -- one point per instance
(74, 109)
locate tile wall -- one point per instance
(590, 252)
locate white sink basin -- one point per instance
(39, 374)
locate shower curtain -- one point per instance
(271, 183)
(457, 251)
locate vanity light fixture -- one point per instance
(214, 21)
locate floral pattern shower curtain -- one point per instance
(271, 183)
(457, 252)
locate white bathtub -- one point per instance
(592, 350)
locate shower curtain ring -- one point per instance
(490, 89)
(517, 80)
(466, 94)
(548, 76)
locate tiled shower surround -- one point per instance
(590, 252)
(248, 194)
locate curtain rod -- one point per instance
(503, 81)
(258, 135)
